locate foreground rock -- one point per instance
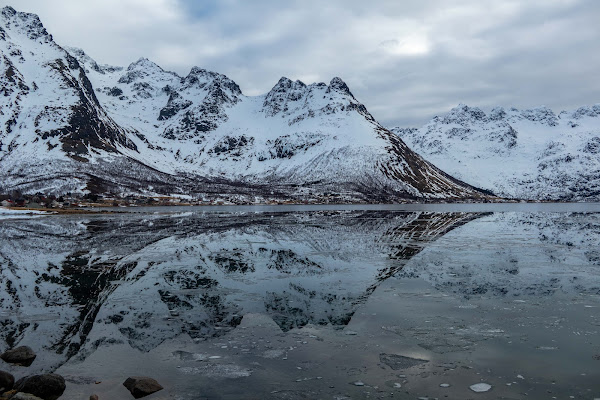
(23, 355)
(7, 381)
(46, 387)
(141, 386)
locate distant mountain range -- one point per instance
(528, 154)
(70, 124)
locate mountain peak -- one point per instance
(204, 78)
(140, 70)
(284, 84)
(284, 93)
(9, 11)
(198, 74)
(462, 114)
(339, 85)
(24, 23)
(201, 71)
(497, 113)
(144, 63)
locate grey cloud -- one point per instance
(405, 60)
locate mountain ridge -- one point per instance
(533, 154)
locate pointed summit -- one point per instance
(284, 91)
(143, 62)
(284, 84)
(340, 86)
(141, 69)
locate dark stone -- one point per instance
(94, 397)
(46, 387)
(6, 381)
(141, 386)
(22, 355)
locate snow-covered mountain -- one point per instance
(70, 123)
(530, 154)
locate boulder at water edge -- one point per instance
(22, 355)
(46, 387)
(141, 386)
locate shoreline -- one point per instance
(106, 209)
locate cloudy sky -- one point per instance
(406, 60)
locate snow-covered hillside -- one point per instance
(70, 123)
(530, 154)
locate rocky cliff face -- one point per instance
(531, 154)
(70, 123)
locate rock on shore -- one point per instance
(141, 386)
(23, 355)
(46, 387)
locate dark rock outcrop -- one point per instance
(46, 387)
(141, 386)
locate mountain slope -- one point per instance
(55, 136)
(530, 154)
(70, 124)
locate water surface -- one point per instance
(310, 302)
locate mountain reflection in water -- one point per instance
(71, 284)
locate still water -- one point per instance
(305, 302)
